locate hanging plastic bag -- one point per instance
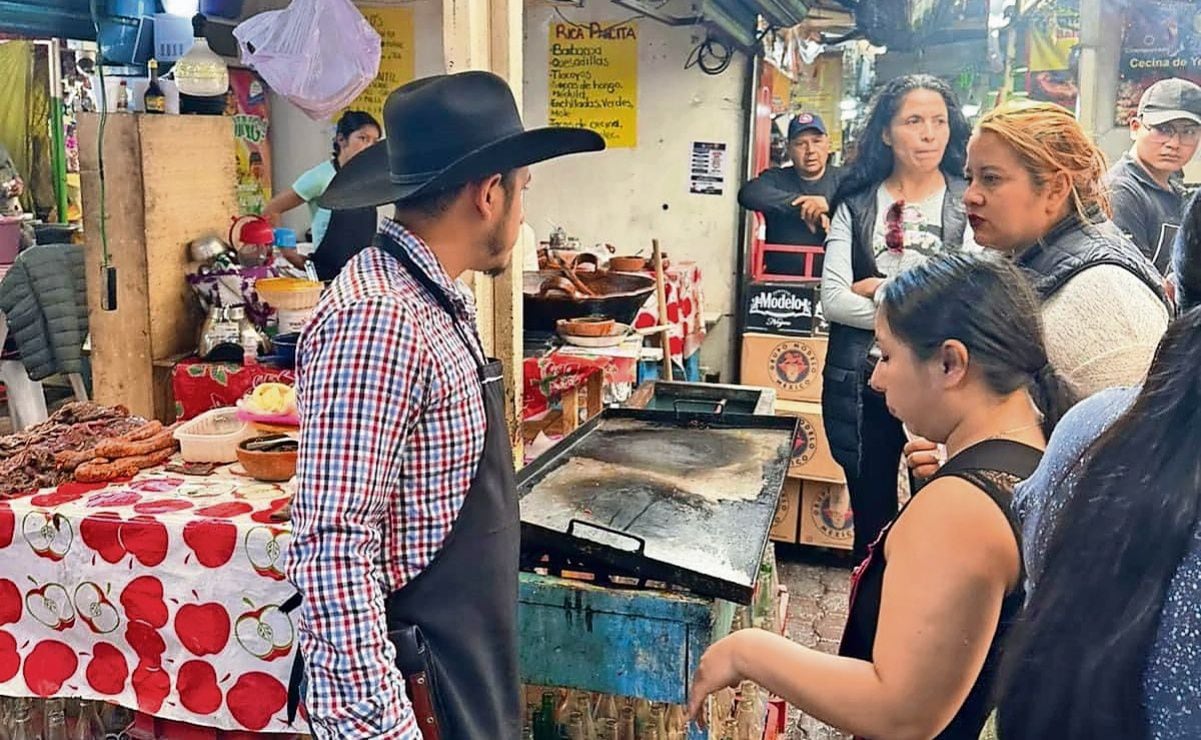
(319, 54)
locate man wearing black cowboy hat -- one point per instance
(405, 521)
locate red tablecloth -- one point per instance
(548, 377)
(202, 386)
(685, 310)
(159, 594)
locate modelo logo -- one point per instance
(781, 304)
(832, 515)
(793, 366)
(781, 511)
(805, 445)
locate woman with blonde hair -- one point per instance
(1035, 193)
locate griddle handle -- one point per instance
(719, 408)
(641, 549)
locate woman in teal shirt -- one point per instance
(353, 230)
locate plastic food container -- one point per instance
(213, 437)
(289, 294)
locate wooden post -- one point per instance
(487, 34)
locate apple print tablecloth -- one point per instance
(160, 594)
(200, 386)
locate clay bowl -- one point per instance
(273, 465)
(587, 326)
(627, 264)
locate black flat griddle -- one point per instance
(683, 498)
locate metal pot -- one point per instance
(208, 248)
(548, 296)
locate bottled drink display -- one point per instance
(123, 96)
(567, 714)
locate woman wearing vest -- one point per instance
(1036, 194)
(339, 234)
(900, 204)
(1118, 486)
(961, 361)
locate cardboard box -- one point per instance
(792, 366)
(790, 309)
(825, 514)
(811, 455)
(784, 527)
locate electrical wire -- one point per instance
(105, 258)
(712, 55)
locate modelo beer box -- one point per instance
(786, 526)
(792, 309)
(811, 455)
(825, 515)
(791, 366)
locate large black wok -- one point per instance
(547, 299)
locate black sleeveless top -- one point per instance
(995, 467)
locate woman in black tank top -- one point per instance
(960, 360)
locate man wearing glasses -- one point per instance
(1145, 185)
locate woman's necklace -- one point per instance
(998, 435)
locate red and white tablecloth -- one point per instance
(161, 594)
(548, 377)
(200, 386)
(685, 310)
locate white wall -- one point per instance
(623, 196)
(298, 142)
(627, 196)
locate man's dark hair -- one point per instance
(433, 205)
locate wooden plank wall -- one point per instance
(169, 179)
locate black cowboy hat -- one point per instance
(444, 131)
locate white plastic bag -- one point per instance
(319, 54)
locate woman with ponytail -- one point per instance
(1110, 645)
(337, 235)
(960, 360)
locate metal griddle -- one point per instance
(653, 509)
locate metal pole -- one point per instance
(57, 137)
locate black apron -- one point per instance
(349, 232)
(464, 604)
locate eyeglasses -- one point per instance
(1164, 132)
(894, 230)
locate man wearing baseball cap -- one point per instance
(1145, 189)
(796, 200)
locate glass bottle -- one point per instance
(153, 100)
(659, 720)
(546, 728)
(627, 730)
(584, 707)
(723, 706)
(677, 722)
(22, 724)
(606, 729)
(748, 722)
(88, 726)
(200, 72)
(729, 729)
(56, 719)
(642, 716)
(606, 708)
(123, 97)
(575, 727)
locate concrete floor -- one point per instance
(818, 587)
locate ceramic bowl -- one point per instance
(271, 466)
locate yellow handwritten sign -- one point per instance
(592, 79)
(395, 28)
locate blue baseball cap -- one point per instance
(805, 122)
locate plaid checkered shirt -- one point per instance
(393, 431)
